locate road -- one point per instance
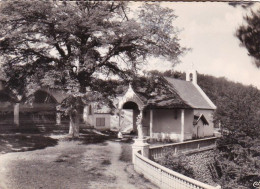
(70, 165)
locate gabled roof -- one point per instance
(199, 117)
(165, 92)
(191, 93)
(57, 94)
(158, 94)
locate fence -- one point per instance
(164, 177)
(188, 146)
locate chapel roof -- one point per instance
(191, 93)
(158, 94)
(168, 92)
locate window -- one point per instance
(100, 122)
(191, 77)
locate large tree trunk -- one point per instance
(74, 124)
(16, 114)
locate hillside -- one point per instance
(236, 159)
(237, 104)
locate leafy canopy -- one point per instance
(249, 35)
(77, 46)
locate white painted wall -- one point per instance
(107, 121)
(88, 119)
(198, 130)
(208, 129)
(167, 126)
(188, 124)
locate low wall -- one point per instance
(164, 177)
(185, 147)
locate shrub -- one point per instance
(178, 163)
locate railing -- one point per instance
(164, 177)
(185, 147)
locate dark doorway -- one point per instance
(133, 106)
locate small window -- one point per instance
(100, 122)
(191, 77)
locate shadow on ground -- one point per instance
(24, 142)
(29, 139)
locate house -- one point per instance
(97, 116)
(170, 109)
(45, 108)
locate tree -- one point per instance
(236, 160)
(76, 47)
(237, 155)
(249, 35)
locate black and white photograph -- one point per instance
(129, 94)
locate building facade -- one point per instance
(179, 111)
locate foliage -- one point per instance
(243, 4)
(238, 107)
(168, 73)
(178, 163)
(249, 33)
(237, 161)
(78, 47)
(238, 151)
(41, 43)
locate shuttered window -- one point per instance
(100, 121)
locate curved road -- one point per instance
(70, 165)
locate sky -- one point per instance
(209, 29)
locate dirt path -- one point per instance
(70, 165)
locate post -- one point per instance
(16, 114)
(119, 123)
(140, 143)
(151, 123)
(58, 115)
(142, 146)
(139, 125)
(182, 125)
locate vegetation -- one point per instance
(237, 163)
(178, 163)
(248, 34)
(76, 47)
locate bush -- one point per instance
(178, 163)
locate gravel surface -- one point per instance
(70, 165)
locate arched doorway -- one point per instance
(133, 107)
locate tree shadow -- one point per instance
(24, 142)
